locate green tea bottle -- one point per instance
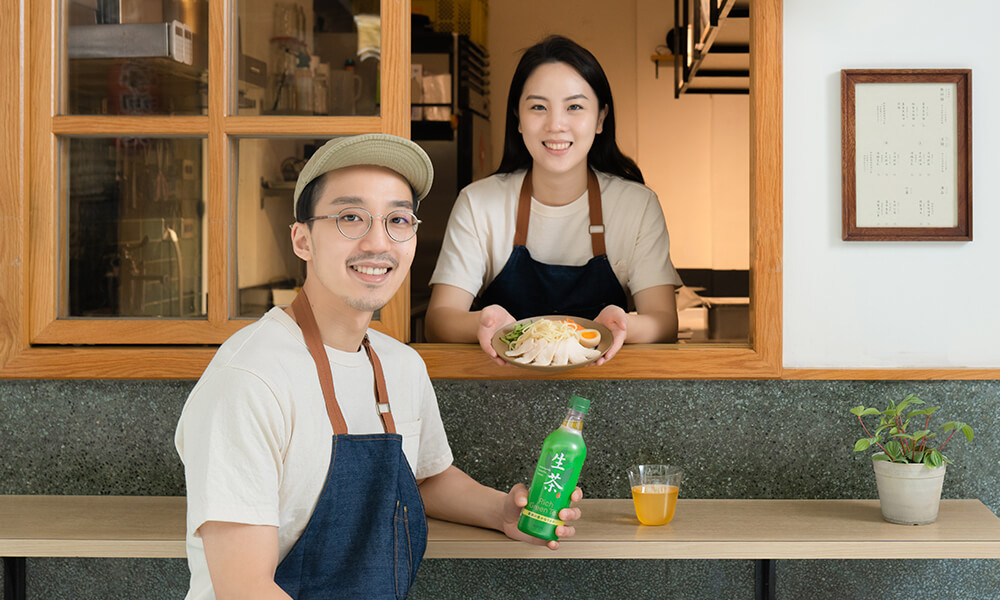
(555, 477)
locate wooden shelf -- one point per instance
(744, 529)
(154, 527)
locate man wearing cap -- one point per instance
(312, 444)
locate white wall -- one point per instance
(885, 304)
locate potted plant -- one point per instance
(909, 470)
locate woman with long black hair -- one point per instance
(597, 234)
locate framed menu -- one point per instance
(906, 150)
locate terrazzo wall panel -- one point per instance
(734, 439)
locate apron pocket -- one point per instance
(401, 551)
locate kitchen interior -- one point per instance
(137, 207)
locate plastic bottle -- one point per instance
(555, 477)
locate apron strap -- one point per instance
(381, 393)
(523, 211)
(303, 315)
(596, 215)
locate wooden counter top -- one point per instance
(93, 526)
(745, 529)
(153, 527)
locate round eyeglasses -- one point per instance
(355, 222)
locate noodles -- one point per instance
(545, 330)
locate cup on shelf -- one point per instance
(345, 90)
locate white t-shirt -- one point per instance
(481, 229)
(256, 440)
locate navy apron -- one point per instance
(368, 531)
(528, 288)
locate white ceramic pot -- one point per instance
(909, 494)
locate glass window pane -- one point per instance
(135, 227)
(267, 271)
(309, 58)
(128, 57)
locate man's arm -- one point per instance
(242, 560)
(454, 496)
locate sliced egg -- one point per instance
(590, 338)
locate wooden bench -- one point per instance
(761, 530)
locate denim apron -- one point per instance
(528, 288)
(368, 531)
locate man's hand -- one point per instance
(492, 318)
(517, 499)
(614, 318)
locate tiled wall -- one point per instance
(735, 439)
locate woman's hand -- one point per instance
(614, 318)
(492, 318)
(517, 499)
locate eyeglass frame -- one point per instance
(385, 222)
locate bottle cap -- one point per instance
(579, 404)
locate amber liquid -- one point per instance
(655, 504)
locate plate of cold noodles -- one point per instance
(552, 343)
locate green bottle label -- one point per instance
(555, 479)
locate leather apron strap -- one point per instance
(303, 315)
(596, 214)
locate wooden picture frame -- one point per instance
(907, 154)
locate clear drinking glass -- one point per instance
(654, 492)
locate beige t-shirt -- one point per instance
(480, 234)
(256, 440)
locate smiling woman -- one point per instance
(598, 234)
(760, 355)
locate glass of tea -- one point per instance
(654, 491)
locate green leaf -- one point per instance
(923, 412)
(918, 457)
(880, 457)
(917, 435)
(934, 459)
(894, 449)
(905, 436)
(964, 428)
(911, 399)
(862, 411)
(862, 444)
